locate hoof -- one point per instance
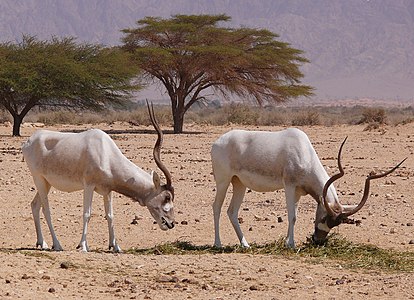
(115, 249)
(82, 248)
(42, 246)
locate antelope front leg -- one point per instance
(221, 191)
(291, 203)
(87, 211)
(43, 188)
(110, 218)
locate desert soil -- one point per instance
(386, 221)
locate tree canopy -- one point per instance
(61, 73)
(190, 54)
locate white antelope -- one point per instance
(268, 161)
(91, 161)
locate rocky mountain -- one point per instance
(357, 48)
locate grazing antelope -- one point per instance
(91, 161)
(268, 161)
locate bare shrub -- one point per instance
(307, 118)
(272, 117)
(139, 116)
(57, 117)
(404, 121)
(241, 114)
(403, 116)
(5, 116)
(211, 116)
(373, 115)
(372, 126)
(234, 113)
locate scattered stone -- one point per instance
(25, 276)
(340, 281)
(411, 243)
(189, 281)
(51, 290)
(65, 265)
(8, 281)
(241, 220)
(197, 220)
(279, 219)
(409, 224)
(136, 219)
(251, 229)
(46, 277)
(166, 278)
(184, 223)
(257, 218)
(113, 283)
(392, 230)
(253, 288)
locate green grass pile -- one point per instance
(337, 249)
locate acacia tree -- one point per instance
(61, 73)
(192, 54)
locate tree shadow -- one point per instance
(134, 131)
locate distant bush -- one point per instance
(235, 113)
(374, 115)
(5, 116)
(69, 117)
(307, 118)
(241, 114)
(372, 126)
(405, 121)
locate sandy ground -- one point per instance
(386, 221)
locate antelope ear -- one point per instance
(156, 179)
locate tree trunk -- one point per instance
(17, 121)
(178, 117)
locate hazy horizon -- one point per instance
(357, 48)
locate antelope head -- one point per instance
(331, 214)
(160, 204)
